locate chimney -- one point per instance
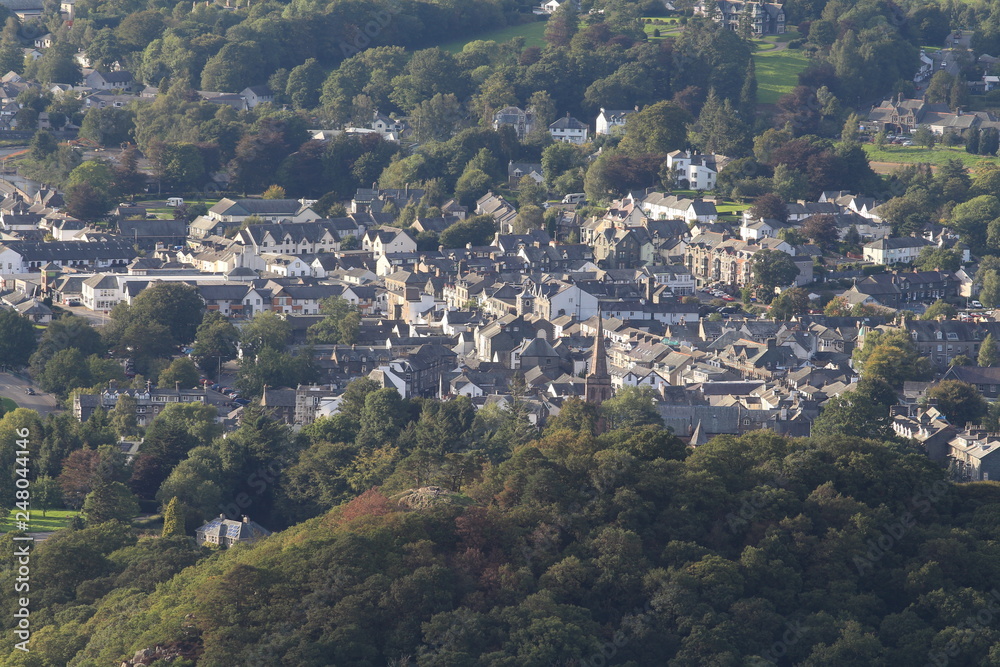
(246, 519)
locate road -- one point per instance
(13, 388)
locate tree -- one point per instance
(790, 302)
(971, 219)
(109, 126)
(340, 324)
(110, 501)
(988, 352)
(972, 139)
(720, 129)
(181, 373)
(933, 258)
(478, 230)
(989, 296)
(769, 207)
(631, 407)
(123, 416)
(214, 342)
(892, 357)
(86, 202)
(304, 84)
(45, 494)
(657, 129)
(838, 306)
(274, 192)
(924, 137)
(173, 520)
(266, 330)
(438, 118)
(771, 269)
(471, 185)
(177, 306)
(65, 371)
(940, 309)
(17, 339)
(959, 401)
(822, 229)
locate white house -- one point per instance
(894, 250)
(387, 240)
(569, 130)
(700, 171)
(660, 206)
(609, 119)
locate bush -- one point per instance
(796, 43)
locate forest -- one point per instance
(552, 548)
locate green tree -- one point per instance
(123, 416)
(632, 407)
(959, 401)
(181, 373)
(972, 218)
(657, 129)
(45, 494)
(989, 296)
(720, 129)
(988, 352)
(304, 84)
(110, 501)
(340, 324)
(924, 137)
(214, 342)
(939, 309)
(790, 302)
(266, 330)
(771, 269)
(65, 371)
(891, 356)
(478, 230)
(173, 520)
(17, 339)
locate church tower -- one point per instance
(598, 379)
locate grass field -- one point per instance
(936, 156)
(777, 72)
(6, 405)
(532, 32)
(54, 520)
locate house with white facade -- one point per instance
(387, 240)
(894, 250)
(569, 130)
(696, 171)
(610, 119)
(661, 206)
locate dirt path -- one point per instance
(889, 167)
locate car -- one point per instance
(241, 401)
(976, 304)
(728, 298)
(29, 391)
(130, 374)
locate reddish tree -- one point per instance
(79, 474)
(370, 503)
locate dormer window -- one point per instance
(938, 335)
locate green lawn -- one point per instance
(778, 72)
(53, 520)
(6, 405)
(533, 34)
(936, 156)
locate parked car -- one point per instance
(241, 401)
(976, 304)
(29, 391)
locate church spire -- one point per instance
(598, 385)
